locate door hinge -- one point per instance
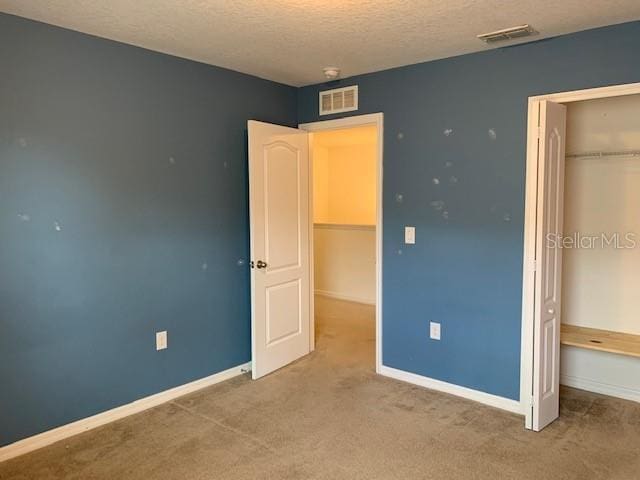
(539, 132)
(535, 265)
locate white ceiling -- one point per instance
(289, 41)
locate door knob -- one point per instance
(551, 311)
(261, 264)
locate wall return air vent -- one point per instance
(339, 100)
(508, 34)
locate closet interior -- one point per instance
(601, 252)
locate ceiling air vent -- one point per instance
(507, 34)
(339, 100)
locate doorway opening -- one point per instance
(582, 248)
(344, 230)
(346, 171)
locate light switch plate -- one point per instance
(434, 331)
(410, 235)
(161, 340)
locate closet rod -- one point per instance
(620, 153)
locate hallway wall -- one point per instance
(345, 163)
(345, 262)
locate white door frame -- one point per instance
(531, 202)
(341, 123)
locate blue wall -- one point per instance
(465, 271)
(87, 131)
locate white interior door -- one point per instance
(279, 218)
(546, 361)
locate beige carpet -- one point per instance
(329, 416)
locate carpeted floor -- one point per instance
(328, 416)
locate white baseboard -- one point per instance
(599, 387)
(47, 438)
(502, 403)
(348, 298)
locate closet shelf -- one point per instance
(601, 340)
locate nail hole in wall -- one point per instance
(437, 205)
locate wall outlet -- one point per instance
(434, 331)
(410, 235)
(161, 340)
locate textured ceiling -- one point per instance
(291, 40)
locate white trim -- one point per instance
(346, 298)
(495, 401)
(599, 387)
(376, 119)
(589, 93)
(312, 267)
(528, 268)
(51, 436)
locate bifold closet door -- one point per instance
(548, 281)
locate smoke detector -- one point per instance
(331, 73)
(508, 34)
